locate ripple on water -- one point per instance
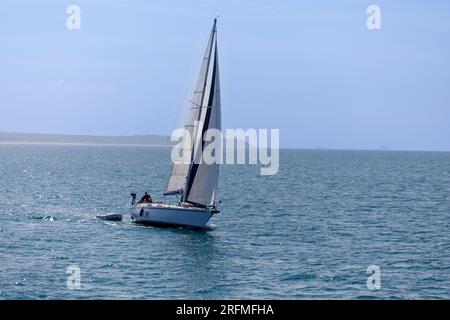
(310, 232)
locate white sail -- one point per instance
(197, 182)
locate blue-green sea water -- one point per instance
(309, 232)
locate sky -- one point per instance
(311, 69)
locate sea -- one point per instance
(329, 225)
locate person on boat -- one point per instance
(146, 198)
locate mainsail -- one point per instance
(194, 180)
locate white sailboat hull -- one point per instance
(170, 215)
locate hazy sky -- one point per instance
(310, 68)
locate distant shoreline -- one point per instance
(10, 138)
(143, 141)
(81, 144)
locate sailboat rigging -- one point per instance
(194, 182)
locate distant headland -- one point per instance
(67, 139)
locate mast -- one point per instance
(204, 124)
(197, 182)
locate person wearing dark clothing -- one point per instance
(146, 198)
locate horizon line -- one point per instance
(16, 142)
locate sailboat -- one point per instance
(193, 182)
